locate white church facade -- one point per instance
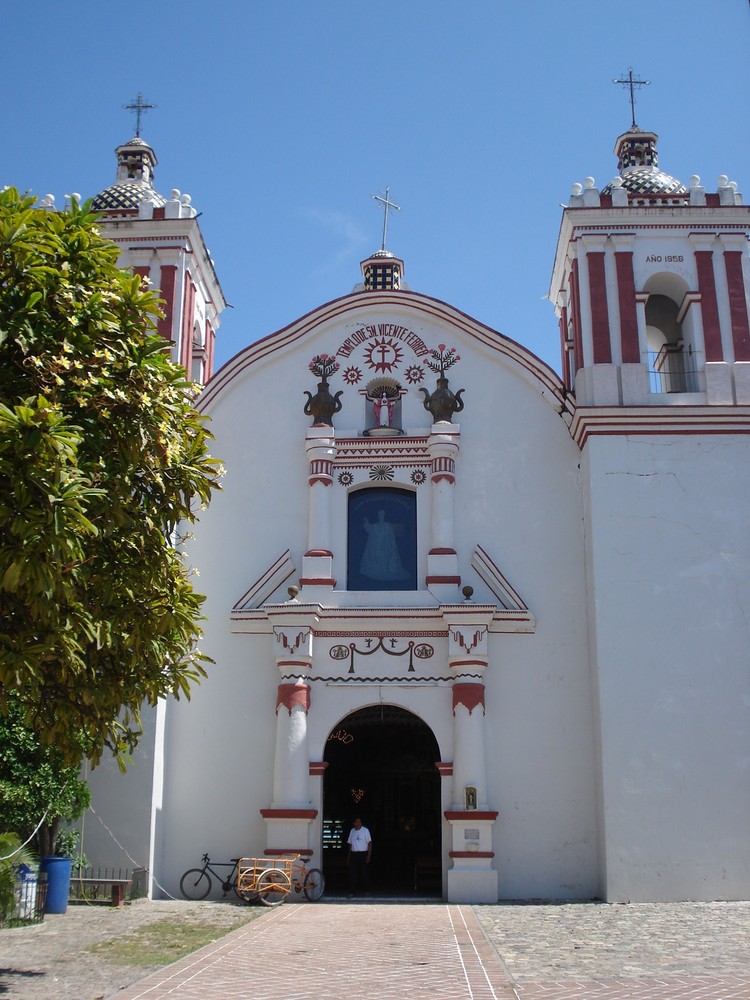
(500, 615)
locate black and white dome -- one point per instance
(637, 163)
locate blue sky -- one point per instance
(282, 118)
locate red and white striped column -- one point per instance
(292, 817)
(442, 560)
(472, 875)
(291, 772)
(317, 562)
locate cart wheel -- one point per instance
(315, 884)
(273, 887)
(195, 884)
(246, 895)
(249, 877)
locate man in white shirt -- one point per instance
(360, 851)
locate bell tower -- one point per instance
(650, 285)
(161, 240)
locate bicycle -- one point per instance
(196, 883)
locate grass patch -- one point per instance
(162, 942)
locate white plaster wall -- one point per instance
(669, 555)
(219, 758)
(517, 495)
(121, 803)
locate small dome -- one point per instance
(648, 181)
(127, 195)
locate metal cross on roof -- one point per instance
(386, 203)
(138, 107)
(631, 82)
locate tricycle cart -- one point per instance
(267, 879)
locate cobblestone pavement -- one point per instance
(334, 950)
(659, 950)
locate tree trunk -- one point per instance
(47, 838)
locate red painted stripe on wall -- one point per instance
(575, 301)
(709, 305)
(737, 305)
(631, 353)
(188, 308)
(167, 287)
(599, 308)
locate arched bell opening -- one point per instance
(381, 767)
(671, 343)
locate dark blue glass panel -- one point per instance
(382, 540)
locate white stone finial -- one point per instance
(616, 182)
(48, 201)
(576, 189)
(723, 180)
(589, 182)
(733, 185)
(174, 194)
(186, 199)
(695, 181)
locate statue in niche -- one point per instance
(381, 559)
(383, 395)
(383, 407)
(322, 406)
(442, 403)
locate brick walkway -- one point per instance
(332, 951)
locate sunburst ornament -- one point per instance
(383, 355)
(382, 472)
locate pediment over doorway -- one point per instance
(265, 602)
(261, 591)
(507, 596)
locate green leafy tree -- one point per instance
(102, 458)
(38, 790)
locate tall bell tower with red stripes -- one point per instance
(160, 239)
(650, 284)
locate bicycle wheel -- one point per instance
(273, 887)
(195, 883)
(315, 884)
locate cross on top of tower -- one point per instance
(387, 204)
(632, 82)
(138, 107)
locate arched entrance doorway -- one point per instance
(381, 767)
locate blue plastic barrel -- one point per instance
(58, 883)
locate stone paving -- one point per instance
(332, 950)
